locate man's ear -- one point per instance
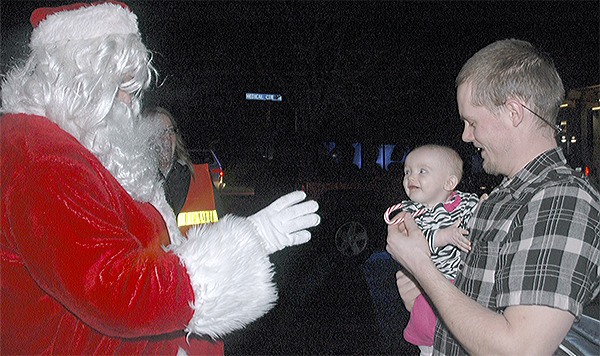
(451, 183)
(515, 111)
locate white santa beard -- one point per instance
(124, 144)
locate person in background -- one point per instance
(344, 169)
(535, 241)
(431, 174)
(92, 260)
(175, 164)
(370, 169)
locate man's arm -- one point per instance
(520, 330)
(408, 288)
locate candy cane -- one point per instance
(397, 219)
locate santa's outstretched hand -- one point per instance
(284, 222)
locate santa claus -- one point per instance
(92, 261)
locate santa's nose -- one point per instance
(124, 97)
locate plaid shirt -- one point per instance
(536, 241)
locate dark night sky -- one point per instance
(379, 71)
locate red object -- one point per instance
(40, 14)
(201, 197)
(420, 329)
(83, 268)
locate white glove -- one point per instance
(284, 222)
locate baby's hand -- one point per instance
(453, 235)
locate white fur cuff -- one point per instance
(230, 273)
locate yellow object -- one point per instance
(197, 217)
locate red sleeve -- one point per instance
(85, 241)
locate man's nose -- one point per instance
(467, 134)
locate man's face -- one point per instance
(426, 177)
(485, 131)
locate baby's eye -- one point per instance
(423, 170)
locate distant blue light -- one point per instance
(385, 155)
(357, 154)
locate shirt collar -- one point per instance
(449, 205)
(534, 171)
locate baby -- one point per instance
(431, 174)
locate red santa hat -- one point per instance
(81, 21)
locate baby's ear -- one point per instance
(451, 183)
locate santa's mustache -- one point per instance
(124, 143)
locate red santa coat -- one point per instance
(83, 266)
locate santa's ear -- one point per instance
(451, 183)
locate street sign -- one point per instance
(257, 96)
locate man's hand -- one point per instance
(284, 222)
(407, 245)
(408, 288)
(453, 235)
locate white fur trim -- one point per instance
(231, 275)
(84, 23)
(160, 203)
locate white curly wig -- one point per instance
(80, 58)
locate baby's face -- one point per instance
(425, 177)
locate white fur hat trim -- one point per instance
(84, 23)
